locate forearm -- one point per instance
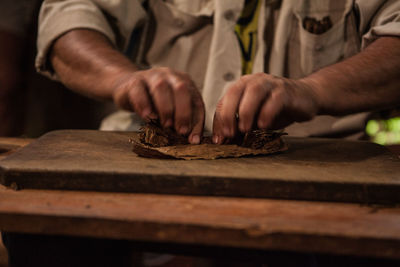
(369, 80)
(87, 63)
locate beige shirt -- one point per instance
(197, 36)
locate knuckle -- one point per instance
(253, 88)
(182, 75)
(134, 82)
(278, 94)
(245, 77)
(133, 94)
(219, 106)
(160, 83)
(159, 69)
(166, 70)
(226, 118)
(137, 76)
(276, 97)
(139, 79)
(261, 74)
(180, 86)
(281, 83)
(243, 80)
(235, 89)
(264, 75)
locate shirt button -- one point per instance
(228, 76)
(229, 15)
(179, 23)
(318, 48)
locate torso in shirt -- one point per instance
(185, 30)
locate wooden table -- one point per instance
(241, 223)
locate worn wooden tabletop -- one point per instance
(232, 222)
(263, 224)
(311, 169)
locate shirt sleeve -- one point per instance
(116, 19)
(378, 18)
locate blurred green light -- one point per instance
(380, 138)
(393, 125)
(384, 132)
(396, 137)
(372, 127)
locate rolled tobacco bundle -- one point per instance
(156, 142)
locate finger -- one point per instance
(271, 108)
(183, 103)
(228, 107)
(218, 136)
(163, 99)
(140, 99)
(253, 96)
(198, 119)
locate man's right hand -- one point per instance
(86, 62)
(166, 94)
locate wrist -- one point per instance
(316, 91)
(114, 76)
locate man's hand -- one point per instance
(163, 93)
(365, 82)
(262, 101)
(86, 62)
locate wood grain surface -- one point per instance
(9, 145)
(311, 169)
(338, 228)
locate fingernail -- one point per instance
(215, 139)
(183, 130)
(195, 139)
(168, 123)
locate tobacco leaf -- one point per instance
(156, 142)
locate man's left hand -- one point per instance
(263, 101)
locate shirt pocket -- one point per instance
(308, 52)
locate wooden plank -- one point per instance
(9, 145)
(14, 142)
(395, 149)
(312, 169)
(346, 229)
